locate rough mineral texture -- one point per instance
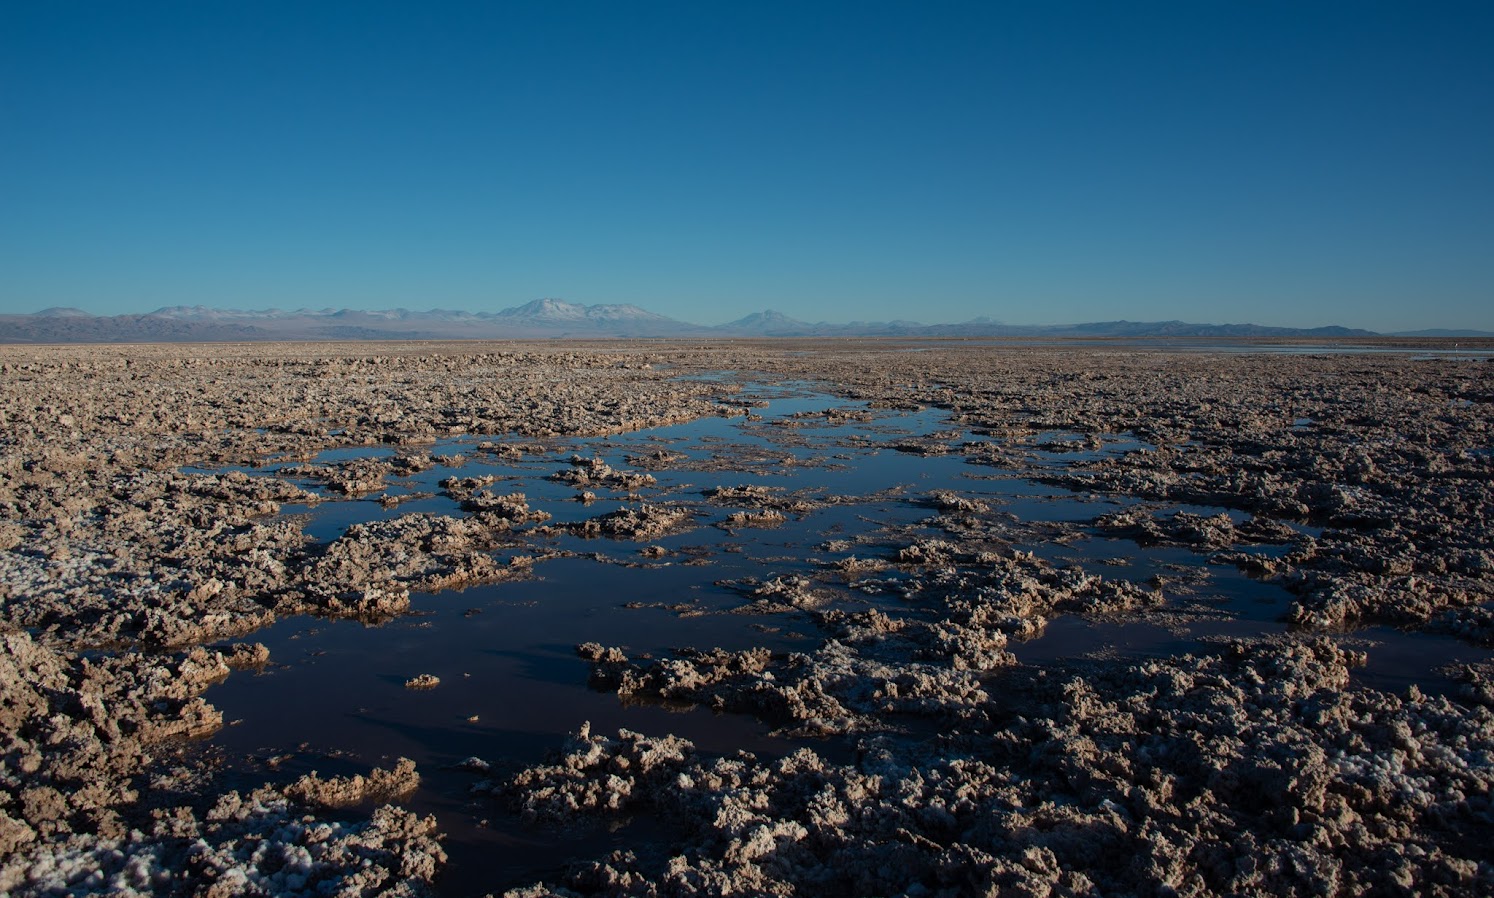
(1251, 771)
(148, 529)
(121, 554)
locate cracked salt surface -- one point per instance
(856, 482)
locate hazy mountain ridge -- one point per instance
(549, 317)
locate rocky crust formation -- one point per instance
(1383, 461)
(1361, 484)
(1250, 771)
(119, 559)
(639, 522)
(90, 802)
(133, 555)
(929, 660)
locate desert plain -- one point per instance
(838, 618)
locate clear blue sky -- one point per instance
(1293, 163)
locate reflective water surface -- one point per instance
(511, 686)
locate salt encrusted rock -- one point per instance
(370, 570)
(833, 690)
(186, 545)
(1256, 774)
(1253, 772)
(764, 518)
(949, 501)
(642, 521)
(586, 472)
(77, 737)
(597, 773)
(1213, 532)
(658, 458)
(593, 651)
(494, 511)
(756, 496)
(747, 493)
(77, 733)
(777, 594)
(345, 791)
(242, 655)
(1013, 592)
(260, 844)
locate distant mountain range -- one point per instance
(548, 318)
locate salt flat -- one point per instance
(1085, 618)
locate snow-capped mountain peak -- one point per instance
(547, 309)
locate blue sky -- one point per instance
(1293, 163)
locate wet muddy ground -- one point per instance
(809, 617)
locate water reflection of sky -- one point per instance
(511, 684)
